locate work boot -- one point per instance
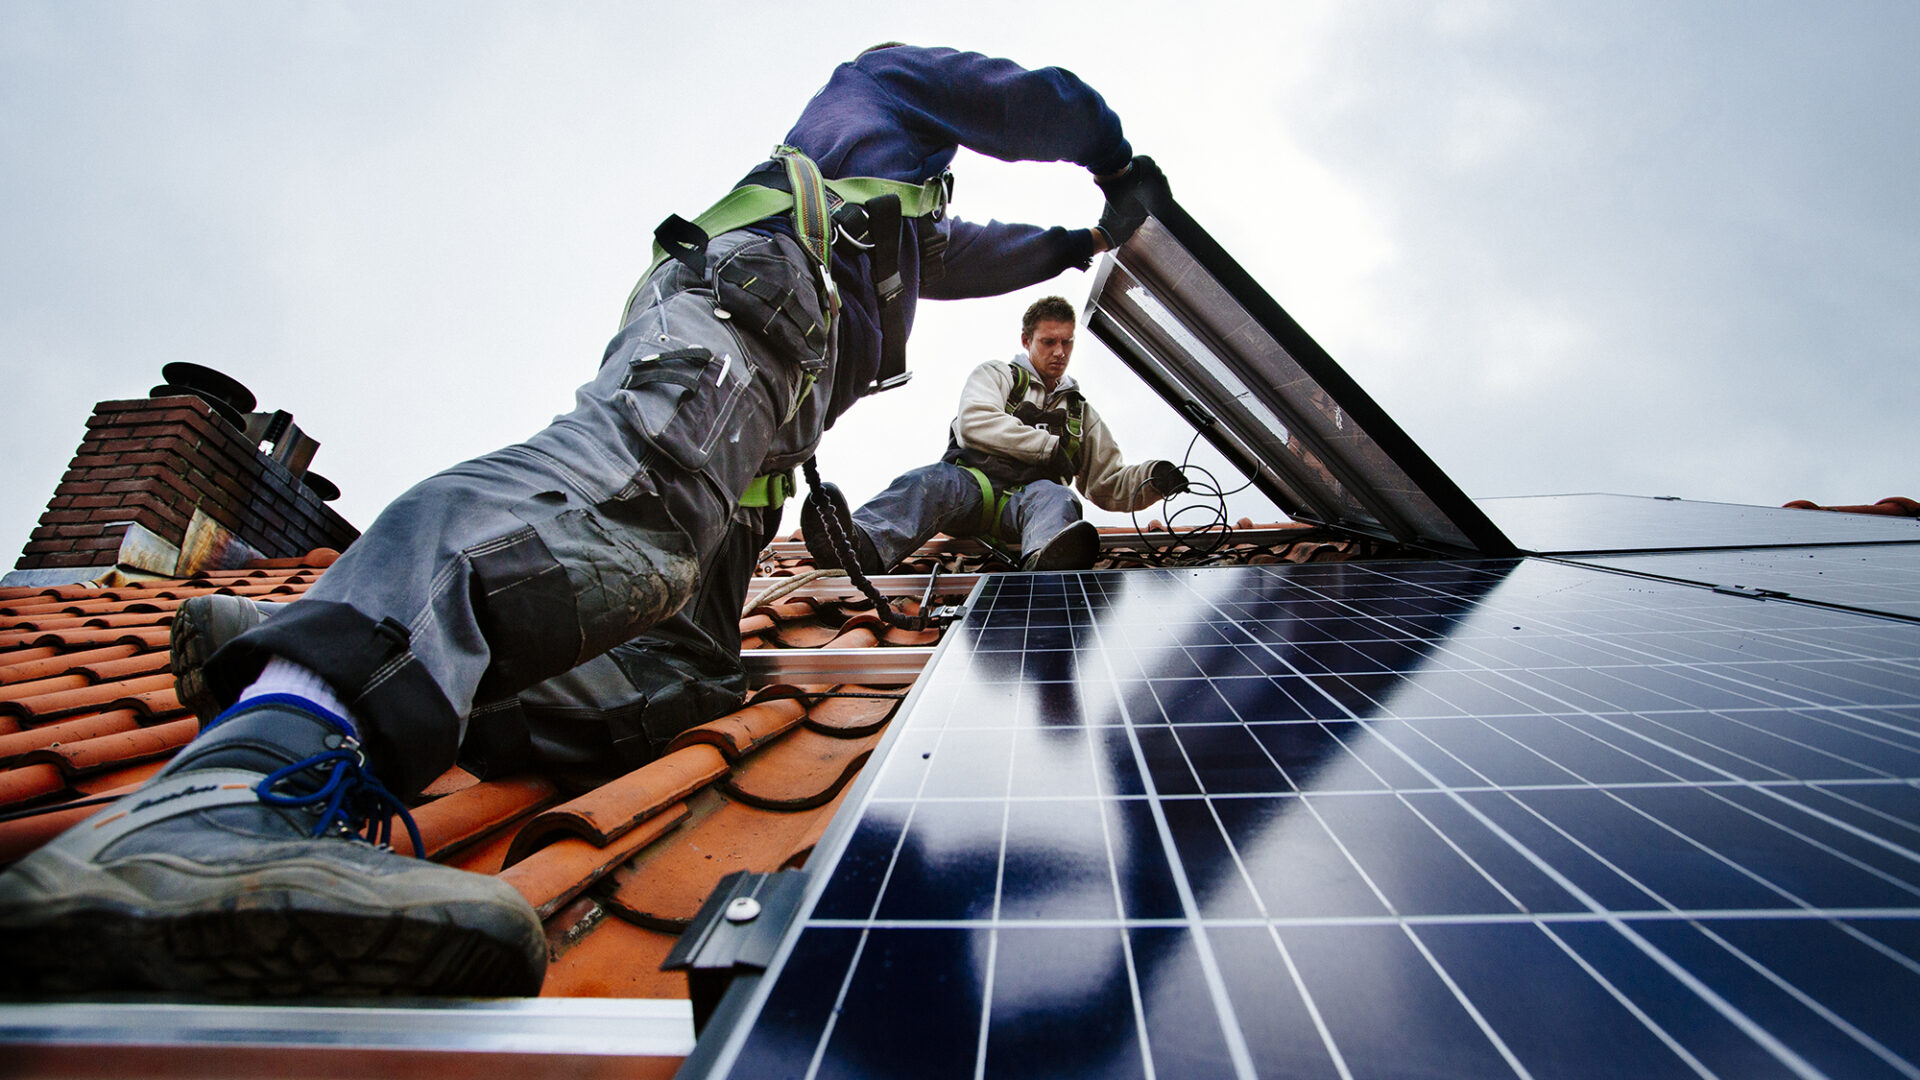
(200, 626)
(1072, 548)
(255, 865)
(813, 530)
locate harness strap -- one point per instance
(1076, 408)
(773, 489)
(883, 215)
(992, 505)
(749, 203)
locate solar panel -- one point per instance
(1178, 310)
(1483, 818)
(1872, 577)
(1563, 524)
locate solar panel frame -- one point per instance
(1174, 306)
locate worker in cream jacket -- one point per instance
(1024, 437)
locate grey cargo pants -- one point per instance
(523, 564)
(944, 497)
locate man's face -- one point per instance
(1049, 348)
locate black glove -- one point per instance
(1062, 463)
(1027, 413)
(1166, 478)
(1126, 198)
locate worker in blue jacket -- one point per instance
(241, 868)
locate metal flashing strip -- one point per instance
(888, 666)
(585, 1026)
(1198, 329)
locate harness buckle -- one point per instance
(853, 224)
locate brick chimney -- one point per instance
(179, 483)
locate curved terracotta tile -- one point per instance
(802, 635)
(138, 664)
(318, 558)
(53, 684)
(60, 703)
(130, 776)
(146, 637)
(487, 856)
(48, 661)
(788, 610)
(454, 779)
(154, 703)
(164, 618)
(123, 748)
(860, 637)
(616, 959)
(801, 771)
(451, 823)
(30, 782)
(67, 731)
(755, 624)
(562, 870)
(739, 733)
(664, 888)
(852, 717)
(609, 811)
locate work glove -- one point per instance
(1027, 413)
(1062, 463)
(1126, 198)
(1166, 478)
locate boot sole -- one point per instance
(1077, 547)
(296, 927)
(200, 626)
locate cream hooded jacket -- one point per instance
(985, 425)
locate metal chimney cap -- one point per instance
(207, 383)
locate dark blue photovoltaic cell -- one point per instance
(1054, 1013)
(912, 1007)
(1516, 975)
(1470, 819)
(1348, 970)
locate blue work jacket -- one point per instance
(900, 114)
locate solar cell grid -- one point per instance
(1500, 818)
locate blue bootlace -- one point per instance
(351, 799)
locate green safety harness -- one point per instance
(993, 502)
(864, 211)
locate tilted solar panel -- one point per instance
(1566, 524)
(1871, 577)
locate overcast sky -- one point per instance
(1653, 248)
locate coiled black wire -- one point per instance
(1210, 512)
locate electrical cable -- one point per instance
(839, 522)
(1211, 510)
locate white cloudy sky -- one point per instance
(1648, 247)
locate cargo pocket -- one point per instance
(773, 297)
(684, 400)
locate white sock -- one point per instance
(282, 676)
